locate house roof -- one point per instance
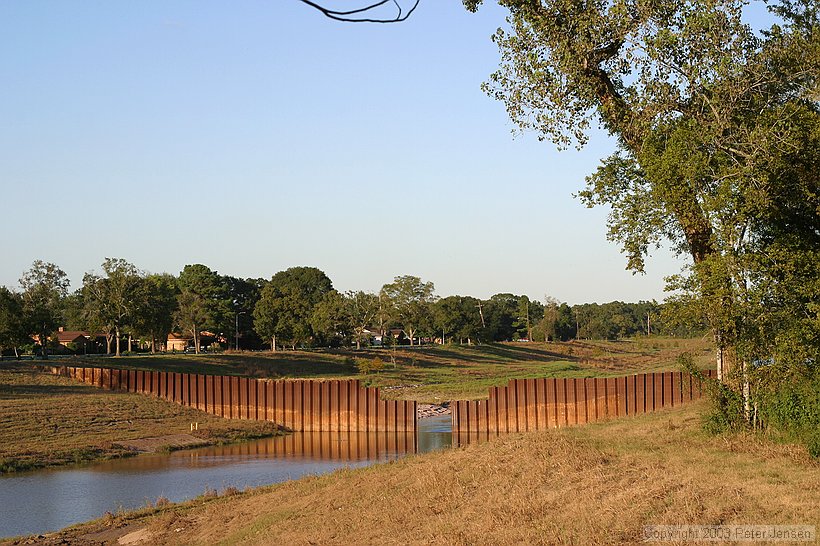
(71, 335)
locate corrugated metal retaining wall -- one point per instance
(538, 404)
(300, 405)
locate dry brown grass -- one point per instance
(49, 420)
(597, 484)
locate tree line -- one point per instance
(297, 307)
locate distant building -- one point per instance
(177, 342)
(81, 340)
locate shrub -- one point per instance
(365, 365)
(786, 399)
(789, 402)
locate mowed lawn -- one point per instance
(437, 373)
(48, 420)
(592, 484)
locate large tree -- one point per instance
(111, 301)
(156, 305)
(410, 298)
(201, 301)
(457, 317)
(716, 129)
(13, 331)
(44, 287)
(286, 305)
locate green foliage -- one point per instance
(13, 332)
(44, 287)
(789, 402)
(368, 365)
(726, 413)
(410, 301)
(287, 303)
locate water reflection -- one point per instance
(47, 500)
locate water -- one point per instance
(47, 500)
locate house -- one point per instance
(76, 340)
(177, 342)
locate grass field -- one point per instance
(49, 420)
(596, 484)
(438, 373)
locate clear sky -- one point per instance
(253, 136)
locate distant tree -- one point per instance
(548, 325)
(458, 317)
(44, 287)
(286, 304)
(191, 315)
(361, 309)
(501, 317)
(111, 301)
(238, 301)
(73, 310)
(156, 306)
(121, 284)
(410, 299)
(200, 301)
(13, 331)
(330, 321)
(95, 315)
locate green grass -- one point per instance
(49, 420)
(436, 373)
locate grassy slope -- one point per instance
(437, 373)
(48, 420)
(597, 484)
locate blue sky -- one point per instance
(254, 136)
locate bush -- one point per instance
(726, 413)
(786, 398)
(789, 401)
(365, 366)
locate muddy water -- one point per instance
(47, 500)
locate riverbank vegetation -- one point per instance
(49, 420)
(437, 373)
(596, 484)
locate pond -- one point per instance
(47, 500)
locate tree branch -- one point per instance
(349, 16)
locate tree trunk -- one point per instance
(16, 354)
(196, 340)
(153, 344)
(108, 344)
(273, 344)
(747, 393)
(117, 333)
(130, 341)
(358, 344)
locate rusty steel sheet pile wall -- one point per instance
(539, 404)
(299, 405)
